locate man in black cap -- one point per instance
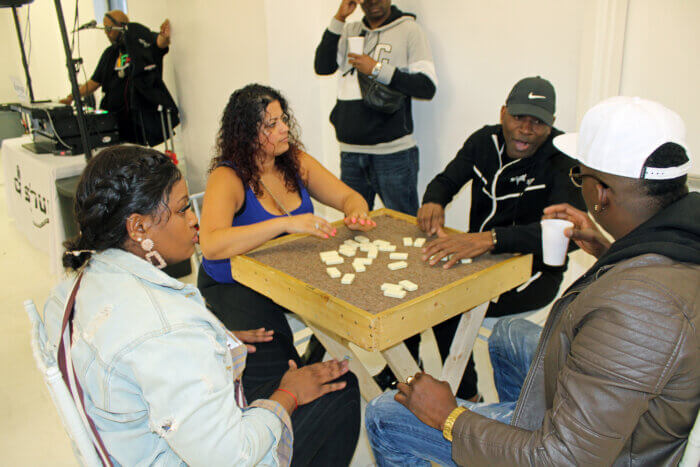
(515, 172)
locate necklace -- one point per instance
(274, 198)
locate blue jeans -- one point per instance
(394, 177)
(399, 438)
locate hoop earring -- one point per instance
(152, 256)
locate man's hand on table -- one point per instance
(429, 399)
(459, 246)
(431, 217)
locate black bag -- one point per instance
(378, 96)
(146, 88)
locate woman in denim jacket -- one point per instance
(159, 372)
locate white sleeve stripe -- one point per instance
(426, 67)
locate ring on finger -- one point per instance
(409, 380)
(316, 226)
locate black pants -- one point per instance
(536, 295)
(327, 429)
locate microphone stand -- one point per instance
(24, 56)
(70, 63)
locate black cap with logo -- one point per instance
(532, 96)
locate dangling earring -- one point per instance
(152, 255)
(596, 207)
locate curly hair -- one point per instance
(238, 141)
(118, 182)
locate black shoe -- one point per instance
(314, 352)
(385, 379)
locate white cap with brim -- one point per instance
(618, 135)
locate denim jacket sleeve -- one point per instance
(192, 404)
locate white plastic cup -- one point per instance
(554, 242)
(356, 45)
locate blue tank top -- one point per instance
(252, 212)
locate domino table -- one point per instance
(289, 271)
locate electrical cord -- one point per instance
(53, 128)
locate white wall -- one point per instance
(47, 62)
(662, 60)
(217, 47)
(480, 49)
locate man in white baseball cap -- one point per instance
(614, 378)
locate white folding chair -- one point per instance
(691, 456)
(196, 199)
(79, 434)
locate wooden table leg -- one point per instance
(339, 349)
(462, 344)
(400, 361)
(430, 353)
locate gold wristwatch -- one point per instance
(449, 423)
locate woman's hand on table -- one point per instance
(359, 220)
(585, 233)
(310, 224)
(429, 399)
(254, 336)
(310, 382)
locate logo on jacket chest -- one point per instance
(522, 179)
(382, 53)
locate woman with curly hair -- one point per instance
(259, 188)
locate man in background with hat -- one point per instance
(515, 172)
(130, 73)
(614, 378)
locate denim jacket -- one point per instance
(157, 373)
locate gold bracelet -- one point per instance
(449, 423)
(493, 237)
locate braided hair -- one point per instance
(117, 182)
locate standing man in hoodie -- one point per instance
(378, 151)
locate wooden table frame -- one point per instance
(336, 323)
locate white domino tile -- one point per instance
(395, 293)
(397, 265)
(347, 279)
(333, 272)
(398, 255)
